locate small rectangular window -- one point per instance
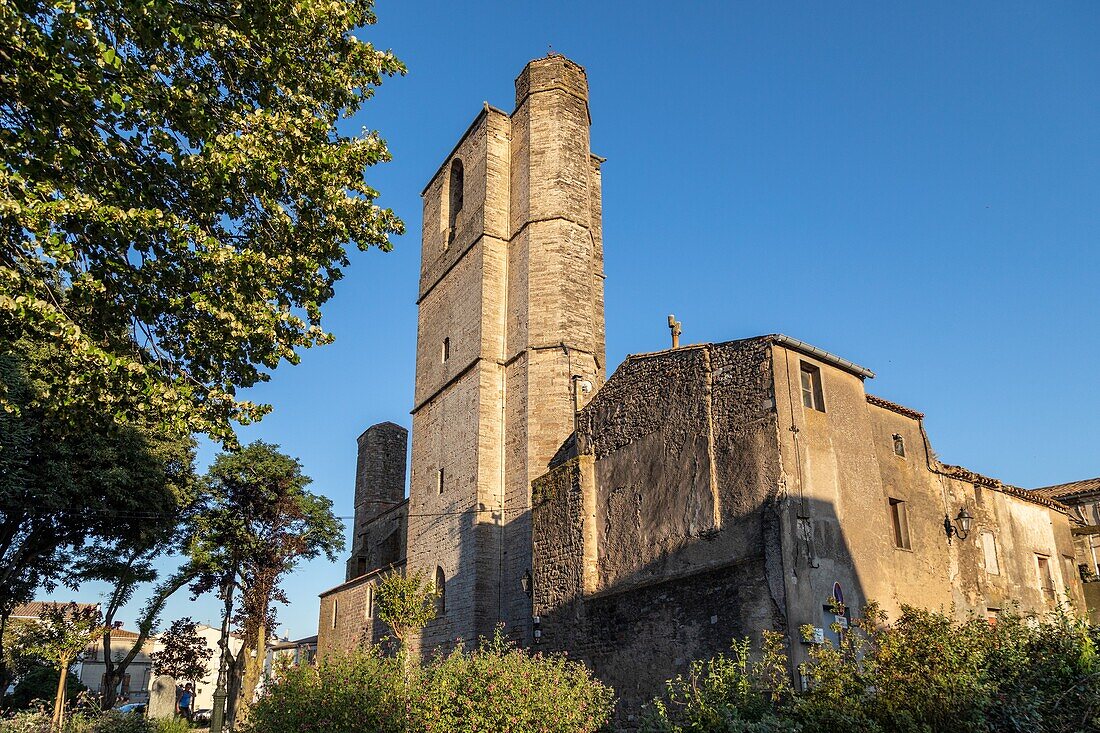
(439, 480)
(899, 445)
(989, 549)
(1046, 580)
(900, 518)
(812, 395)
(991, 615)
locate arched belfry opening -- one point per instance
(455, 188)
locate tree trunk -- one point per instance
(254, 666)
(59, 700)
(4, 673)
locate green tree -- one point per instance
(184, 654)
(60, 636)
(90, 499)
(406, 603)
(257, 523)
(177, 196)
(38, 685)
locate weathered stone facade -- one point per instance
(703, 493)
(709, 502)
(511, 309)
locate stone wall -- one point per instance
(379, 490)
(515, 291)
(660, 543)
(348, 614)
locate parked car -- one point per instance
(133, 707)
(202, 716)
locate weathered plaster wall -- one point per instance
(841, 472)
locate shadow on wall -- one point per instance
(648, 626)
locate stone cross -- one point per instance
(674, 326)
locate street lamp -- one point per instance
(526, 583)
(960, 527)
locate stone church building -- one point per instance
(699, 494)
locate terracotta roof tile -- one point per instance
(1072, 489)
(894, 407)
(34, 609)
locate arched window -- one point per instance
(455, 187)
(441, 591)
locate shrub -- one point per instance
(502, 688)
(924, 673)
(494, 688)
(361, 692)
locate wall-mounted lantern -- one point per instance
(526, 583)
(960, 527)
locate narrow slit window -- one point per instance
(812, 396)
(440, 591)
(370, 601)
(899, 516)
(335, 611)
(439, 476)
(445, 349)
(899, 445)
(456, 193)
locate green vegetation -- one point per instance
(176, 196)
(493, 688)
(91, 722)
(924, 673)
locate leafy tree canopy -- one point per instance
(74, 502)
(406, 603)
(175, 196)
(184, 654)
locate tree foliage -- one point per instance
(256, 523)
(184, 654)
(38, 684)
(176, 196)
(59, 637)
(406, 603)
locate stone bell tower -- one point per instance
(510, 321)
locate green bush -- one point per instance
(494, 688)
(501, 688)
(925, 673)
(38, 721)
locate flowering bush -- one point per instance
(924, 673)
(494, 688)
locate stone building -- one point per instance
(703, 493)
(1083, 500)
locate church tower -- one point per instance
(511, 325)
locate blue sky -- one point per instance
(913, 186)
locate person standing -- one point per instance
(186, 702)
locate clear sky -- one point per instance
(912, 186)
